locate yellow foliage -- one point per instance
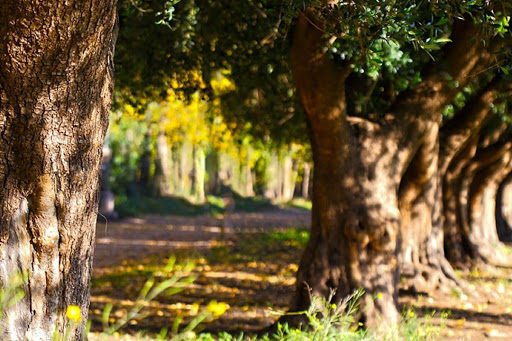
(221, 83)
(195, 121)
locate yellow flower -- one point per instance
(217, 308)
(73, 313)
(380, 295)
(194, 309)
(190, 335)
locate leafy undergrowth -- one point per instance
(253, 272)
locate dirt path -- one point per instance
(136, 238)
(255, 276)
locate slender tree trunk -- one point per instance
(199, 174)
(248, 181)
(279, 175)
(162, 166)
(212, 163)
(107, 200)
(184, 182)
(144, 178)
(193, 173)
(176, 171)
(56, 77)
(293, 178)
(288, 183)
(305, 179)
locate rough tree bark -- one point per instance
(56, 72)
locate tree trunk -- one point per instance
(212, 164)
(56, 77)
(454, 239)
(460, 245)
(354, 236)
(422, 257)
(306, 174)
(429, 269)
(184, 181)
(199, 174)
(107, 199)
(504, 209)
(288, 178)
(248, 182)
(144, 178)
(481, 209)
(279, 175)
(355, 217)
(162, 166)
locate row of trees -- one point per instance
(184, 147)
(405, 104)
(408, 175)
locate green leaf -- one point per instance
(430, 47)
(441, 22)
(443, 40)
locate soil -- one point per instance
(257, 281)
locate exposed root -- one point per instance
(421, 278)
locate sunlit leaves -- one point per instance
(167, 13)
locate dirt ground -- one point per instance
(259, 282)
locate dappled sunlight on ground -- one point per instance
(255, 275)
(252, 269)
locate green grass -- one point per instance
(300, 203)
(294, 237)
